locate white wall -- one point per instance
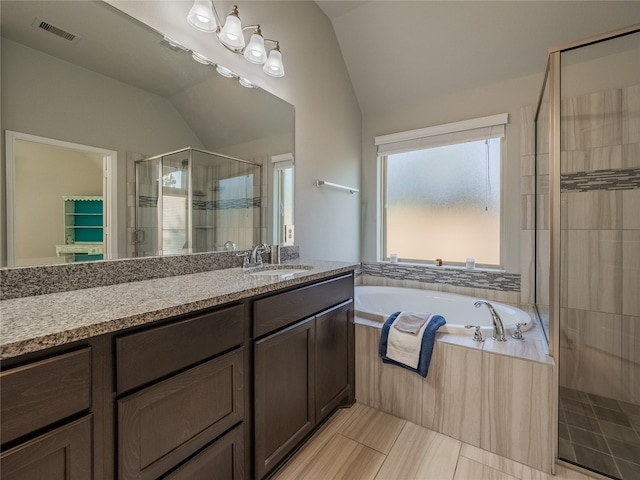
(503, 97)
(328, 124)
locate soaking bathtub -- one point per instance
(374, 304)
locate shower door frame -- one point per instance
(553, 72)
(553, 76)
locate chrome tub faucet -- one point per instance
(498, 327)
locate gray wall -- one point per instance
(45, 88)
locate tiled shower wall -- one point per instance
(600, 241)
(600, 219)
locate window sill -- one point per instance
(445, 267)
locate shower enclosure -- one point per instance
(587, 281)
(193, 201)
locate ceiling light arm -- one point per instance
(217, 17)
(276, 43)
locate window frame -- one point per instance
(430, 136)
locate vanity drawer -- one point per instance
(222, 460)
(41, 393)
(283, 309)
(152, 354)
(164, 424)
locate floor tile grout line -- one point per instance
(455, 470)
(395, 440)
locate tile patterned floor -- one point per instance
(599, 433)
(361, 443)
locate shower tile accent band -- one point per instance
(627, 179)
(254, 202)
(458, 277)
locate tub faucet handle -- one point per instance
(477, 335)
(518, 333)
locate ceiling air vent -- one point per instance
(55, 30)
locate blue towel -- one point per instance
(426, 349)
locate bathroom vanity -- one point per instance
(176, 377)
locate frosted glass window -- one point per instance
(443, 202)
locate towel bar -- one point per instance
(322, 183)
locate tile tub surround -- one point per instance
(492, 285)
(34, 323)
(40, 280)
(497, 397)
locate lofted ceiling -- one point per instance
(218, 110)
(400, 51)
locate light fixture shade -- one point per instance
(198, 57)
(255, 52)
(273, 66)
(201, 16)
(225, 72)
(245, 82)
(231, 33)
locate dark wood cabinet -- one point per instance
(223, 460)
(162, 425)
(303, 369)
(145, 356)
(47, 427)
(284, 390)
(61, 454)
(40, 393)
(333, 351)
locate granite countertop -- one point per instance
(34, 323)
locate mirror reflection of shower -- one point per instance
(193, 201)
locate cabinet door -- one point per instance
(223, 460)
(162, 425)
(333, 342)
(284, 405)
(62, 454)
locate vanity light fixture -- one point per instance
(203, 16)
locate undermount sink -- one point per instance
(279, 270)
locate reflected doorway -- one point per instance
(283, 180)
(60, 201)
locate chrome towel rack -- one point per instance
(323, 183)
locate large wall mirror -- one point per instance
(87, 77)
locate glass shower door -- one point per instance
(176, 203)
(599, 331)
(146, 239)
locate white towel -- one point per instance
(409, 322)
(405, 347)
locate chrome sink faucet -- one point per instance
(498, 327)
(255, 260)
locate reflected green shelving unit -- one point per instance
(83, 229)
